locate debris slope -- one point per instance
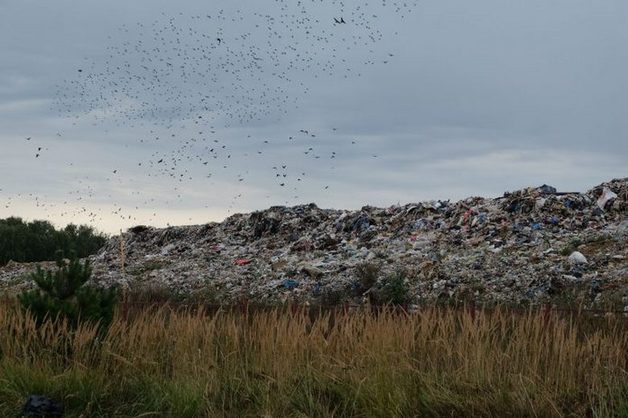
(531, 246)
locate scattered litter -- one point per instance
(38, 406)
(290, 284)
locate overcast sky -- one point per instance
(151, 112)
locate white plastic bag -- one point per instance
(607, 194)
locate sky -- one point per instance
(163, 113)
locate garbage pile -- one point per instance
(16, 277)
(531, 246)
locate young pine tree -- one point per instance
(63, 294)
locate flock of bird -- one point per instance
(186, 83)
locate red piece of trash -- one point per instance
(242, 261)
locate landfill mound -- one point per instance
(531, 246)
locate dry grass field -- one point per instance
(438, 362)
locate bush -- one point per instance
(63, 294)
(330, 296)
(367, 274)
(393, 289)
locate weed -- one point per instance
(571, 246)
(393, 289)
(330, 296)
(367, 274)
(147, 267)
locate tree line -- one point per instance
(40, 240)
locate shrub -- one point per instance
(330, 296)
(367, 274)
(393, 289)
(63, 294)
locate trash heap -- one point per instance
(531, 246)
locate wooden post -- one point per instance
(122, 254)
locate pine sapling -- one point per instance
(64, 294)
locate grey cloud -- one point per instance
(475, 98)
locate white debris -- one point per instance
(607, 194)
(577, 258)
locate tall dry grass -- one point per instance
(274, 363)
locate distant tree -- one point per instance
(38, 240)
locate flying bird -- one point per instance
(178, 78)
